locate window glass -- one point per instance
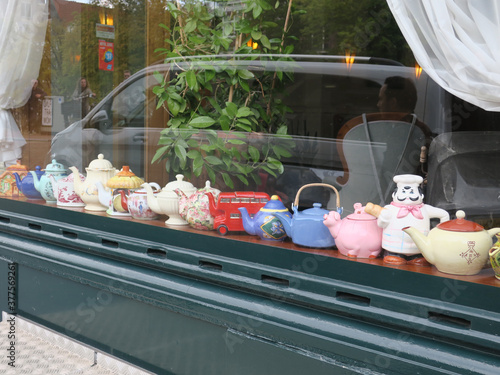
(264, 98)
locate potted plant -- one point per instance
(221, 92)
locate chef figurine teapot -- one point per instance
(357, 235)
(195, 208)
(406, 209)
(121, 186)
(53, 172)
(99, 169)
(458, 247)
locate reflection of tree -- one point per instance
(364, 27)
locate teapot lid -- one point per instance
(100, 164)
(274, 205)
(180, 184)
(315, 211)
(460, 224)
(17, 167)
(55, 167)
(125, 179)
(360, 214)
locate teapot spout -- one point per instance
(151, 199)
(36, 180)
(248, 223)
(77, 183)
(105, 196)
(18, 180)
(286, 221)
(422, 242)
(493, 231)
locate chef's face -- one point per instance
(408, 194)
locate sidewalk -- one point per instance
(28, 348)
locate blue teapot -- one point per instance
(264, 224)
(53, 172)
(306, 227)
(27, 186)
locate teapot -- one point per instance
(8, 186)
(137, 203)
(99, 169)
(306, 228)
(53, 172)
(166, 202)
(195, 208)
(264, 224)
(64, 191)
(458, 247)
(495, 257)
(27, 184)
(357, 235)
(121, 186)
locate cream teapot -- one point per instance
(166, 202)
(99, 169)
(458, 247)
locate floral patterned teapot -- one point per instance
(195, 208)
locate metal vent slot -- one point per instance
(4, 220)
(210, 265)
(275, 280)
(34, 226)
(157, 253)
(68, 234)
(110, 243)
(449, 320)
(353, 298)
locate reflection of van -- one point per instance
(325, 94)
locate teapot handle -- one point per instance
(296, 202)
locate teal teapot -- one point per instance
(264, 224)
(306, 227)
(43, 184)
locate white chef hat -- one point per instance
(408, 180)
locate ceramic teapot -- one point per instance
(166, 202)
(8, 186)
(99, 169)
(458, 247)
(27, 184)
(138, 203)
(120, 185)
(264, 224)
(64, 191)
(357, 235)
(306, 228)
(195, 208)
(53, 172)
(495, 257)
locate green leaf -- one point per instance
(159, 153)
(231, 109)
(158, 77)
(245, 74)
(193, 154)
(244, 84)
(202, 122)
(243, 112)
(227, 180)
(225, 122)
(265, 42)
(254, 153)
(243, 127)
(242, 179)
(281, 151)
(190, 26)
(191, 79)
(268, 170)
(256, 35)
(214, 160)
(236, 141)
(180, 152)
(211, 173)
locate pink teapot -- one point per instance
(357, 235)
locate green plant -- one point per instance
(222, 94)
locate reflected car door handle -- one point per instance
(139, 138)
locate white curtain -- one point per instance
(22, 34)
(456, 42)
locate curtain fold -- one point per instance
(457, 43)
(23, 24)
